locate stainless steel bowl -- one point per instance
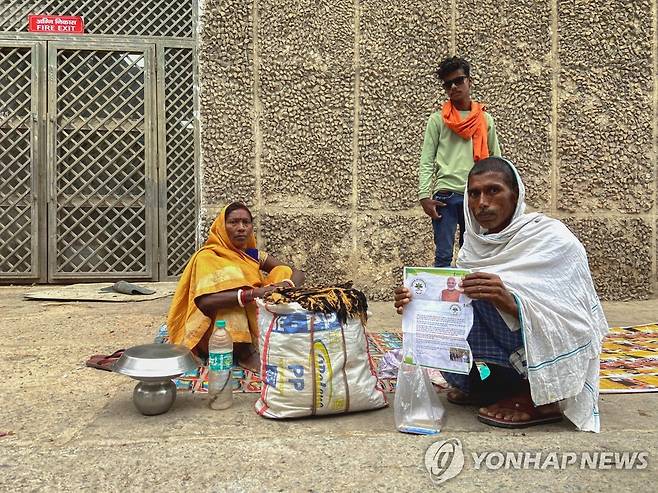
(155, 362)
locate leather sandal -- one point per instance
(520, 403)
(104, 361)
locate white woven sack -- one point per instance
(313, 365)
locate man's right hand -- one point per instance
(402, 298)
(430, 205)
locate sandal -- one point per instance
(104, 361)
(521, 403)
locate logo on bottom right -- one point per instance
(444, 460)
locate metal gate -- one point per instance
(101, 130)
(98, 160)
(20, 177)
(178, 159)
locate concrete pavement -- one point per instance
(75, 428)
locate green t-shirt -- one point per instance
(447, 158)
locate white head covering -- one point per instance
(481, 243)
(545, 268)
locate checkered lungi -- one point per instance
(491, 342)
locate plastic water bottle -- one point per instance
(220, 362)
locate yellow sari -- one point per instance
(218, 266)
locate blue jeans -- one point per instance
(444, 228)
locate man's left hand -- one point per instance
(489, 287)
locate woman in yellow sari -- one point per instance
(221, 282)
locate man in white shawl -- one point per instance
(538, 323)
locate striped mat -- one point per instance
(629, 362)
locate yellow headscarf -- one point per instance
(217, 266)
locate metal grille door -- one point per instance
(102, 162)
(18, 170)
(99, 146)
(178, 172)
(98, 159)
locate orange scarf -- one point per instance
(217, 266)
(474, 127)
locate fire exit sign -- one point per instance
(56, 24)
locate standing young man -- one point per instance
(456, 137)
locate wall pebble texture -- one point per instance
(313, 113)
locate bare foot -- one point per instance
(457, 396)
(519, 409)
(247, 357)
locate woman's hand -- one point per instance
(264, 291)
(402, 298)
(282, 285)
(489, 287)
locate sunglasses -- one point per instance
(457, 81)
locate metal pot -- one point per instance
(152, 398)
(155, 365)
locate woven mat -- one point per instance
(629, 360)
(248, 381)
(99, 292)
(629, 363)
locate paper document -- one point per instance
(437, 321)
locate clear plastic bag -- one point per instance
(418, 409)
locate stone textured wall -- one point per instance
(313, 113)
